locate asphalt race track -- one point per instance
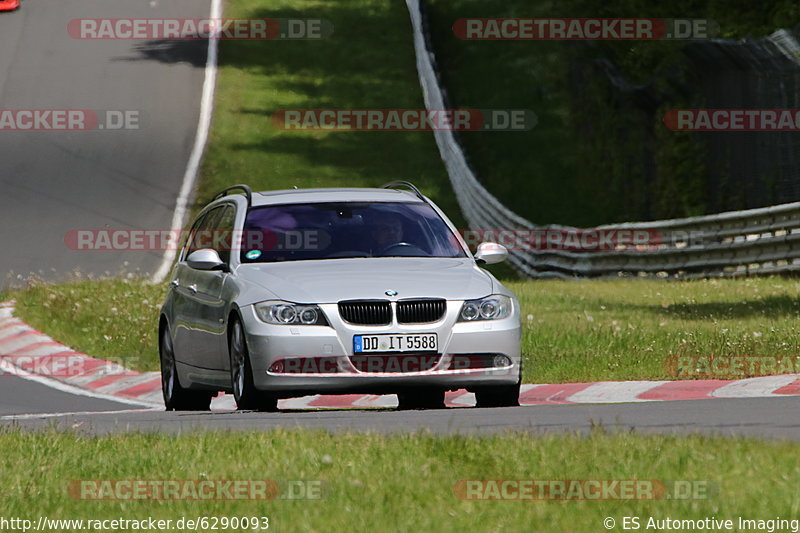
(55, 181)
(25, 396)
(765, 417)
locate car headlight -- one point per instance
(278, 312)
(493, 307)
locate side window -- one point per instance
(190, 245)
(202, 235)
(224, 231)
(214, 230)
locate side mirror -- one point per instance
(206, 259)
(490, 253)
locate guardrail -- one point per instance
(737, 243)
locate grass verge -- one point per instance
(572, 331)
(368, 63)
(399, 483)
(113, 319)
(631, 329)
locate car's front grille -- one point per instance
(420, 311)
(366, 312)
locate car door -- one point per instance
(198, 294)
(209, 305)
(184, 321)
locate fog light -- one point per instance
(501, 360)
(276, 367)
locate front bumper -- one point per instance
(458, 342)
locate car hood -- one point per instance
(332, 280)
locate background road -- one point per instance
(53, 182)
(764, 417)
(56, 181)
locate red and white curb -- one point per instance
(31, 354)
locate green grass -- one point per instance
(113, 319)
(399, 483)
(367, 63)
(572, 331)
(620, 330)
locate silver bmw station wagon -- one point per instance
(288, 293)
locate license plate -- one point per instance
(392, 342)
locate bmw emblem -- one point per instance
(390, 292)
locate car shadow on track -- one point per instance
(193, 52)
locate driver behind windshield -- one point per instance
(386, 230)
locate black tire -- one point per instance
(176, 397)
(422, 398)
(244, 390)
(499, 395)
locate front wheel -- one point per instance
(244, 390)
(499, 395)
(176, 397)
(422, 398)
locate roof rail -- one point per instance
(248, 192)
(407, 185)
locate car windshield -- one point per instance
(296, 232)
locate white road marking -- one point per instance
(374, 400)
(13, 345)
(754, 387)
(203, 127)
(297, 403)
(223, 402)
(467, 399)
(34, 416)
(42, 352)
(614, 392)
(11, 331)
